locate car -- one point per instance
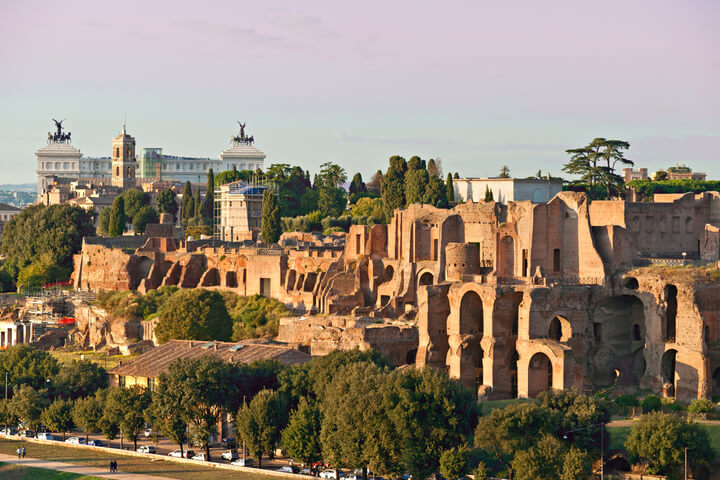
(243, 462)
(9, 431)
(229, 443)
(230, 455)
(95, 443)
(305, 471)
(184, 454)
(75, 441)
(29, 434)
(200, 456)
(331, 473)
(45, 436)
(352, 476)
(146, 449)
(148, 432)
(288, 469)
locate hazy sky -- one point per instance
(478, 83)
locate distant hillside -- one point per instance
(19, 187)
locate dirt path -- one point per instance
(630, 423)
(77, 469)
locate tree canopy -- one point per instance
(194, 314)
(595, 164)
(270, 218)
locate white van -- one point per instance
(45, 436)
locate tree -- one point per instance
(576, 464)
(435, 193)
(456, 175)
(208, 205)
(434, 167)
(542, 461)
(505, 172)
(7, 416)
(301, 438)
(660, 175)
(125, 407)
(134, 200)
(331, 196)
(199, 390)
(393, 186)
(333, 174)
(375, 183)
(27, 405)
(145, 215)
(481, 471)
(659, 439)
(198, 204)
(260, 422)
(416, 182)
(166, 202)
(539, 174)
(454, 462)
(55, 232)
(449, 189)
(28, 366)
(41, 271)
(104, 221)
(58, 416)
(86, 414)
(194, 315)
(595, 164)
(514, 428)
(488, 194)
(270, 218)
(187, 204)
(167, 413)
(81, 378)
(117, 221)
(357, 185)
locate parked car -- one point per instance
(95, 443)
(229, 443)
(75, 441)
(243, 462)
(9, 431)
(185, 454)
(200, 456)
(45, 436)
(305, 471)
(288, 469)
(148, 432)
(352, 476)
(29, 434)
(331, 473)
(147, 449)
(230, 455)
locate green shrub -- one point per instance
(651, 403)
(701, 405)
(627, 400)
(481, 471)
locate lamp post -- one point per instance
(686, 463)
(602, 445)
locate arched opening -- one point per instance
(471, 314)
(631, 283)
(716, 383)
(636, 333)
(478, 355)
(231, 279)
(410, 357)
(539, 374)
(506, 265)
(426, 279)
(670, 312)
(388, 274)
(291, 278)
(300, 281)
(668, 372)
(555, 331)
(514, 358)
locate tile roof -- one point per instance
(5, 208)
(151, 364)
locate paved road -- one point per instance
(631, 422)
(77, 469)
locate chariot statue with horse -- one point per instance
(241, 138)
(59, 136)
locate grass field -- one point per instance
(17, 472)
(126, 463)
(618, 435)
(105, 361)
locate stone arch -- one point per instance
(669, 373)
(231, 279)
(388, 273)
(143, 270)
(309, 284)
(410, 357)
(560, 329)
(211, 278)
(631, 283)
(426, 278)
(471, 314)
(669, 327)
(540, 374)
(290, 280)
(299, 283)
(506, 260)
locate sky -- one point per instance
(479, 84)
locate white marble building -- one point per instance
(537, 190)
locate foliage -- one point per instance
(393, 186)
(580, 418)
(27, 405)
(416, 181)
(86, 414)
(41, 271)
(53, 232)
(454, 462)
(375, 183)
(208, 204)
(659, 439)
(368, 207)
(595, 164)
(104, 222)
(357, 185)
(134, 200)
(549, 459)
(7, 415)
(58, 416)
(260, 422)
(81, 378)
(229, 176)
(300, 439)
(627, 400)
(435, 193)
(166, 201)
(195, 314)
(133, 306)
(701, 405)
(304, 223)
(117, 219)
(481, 471)
(488, 194)
(125, 408)
(187, 204)
(505, 172)
(7, 283)
(28, 366)
(145, 215)
(270, 218)
(255, 316)
(651, 403)
(449, 188)
(646, 189)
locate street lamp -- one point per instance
(602, 445)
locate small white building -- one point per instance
(537, 190)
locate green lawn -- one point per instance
(618, 435)
(126, 463)
(16, 472)
(488, 406)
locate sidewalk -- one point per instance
(77, 469)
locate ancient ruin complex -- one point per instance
(512, 298)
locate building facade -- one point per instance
(629, 174)
(507, 189)
(238, 211)
(683, 172)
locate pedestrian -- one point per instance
(114, 465)
(23, 452)
(111, 466)
(19, 452)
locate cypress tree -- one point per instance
(187, 204)
(116, 225)
(198, 204)
(488, 194)
(357, 185)
(207, 207)
(270, 218)
(457, 175)
(449, 189)
(393, 186)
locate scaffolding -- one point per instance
(229, 220)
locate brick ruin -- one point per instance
(511, 299)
